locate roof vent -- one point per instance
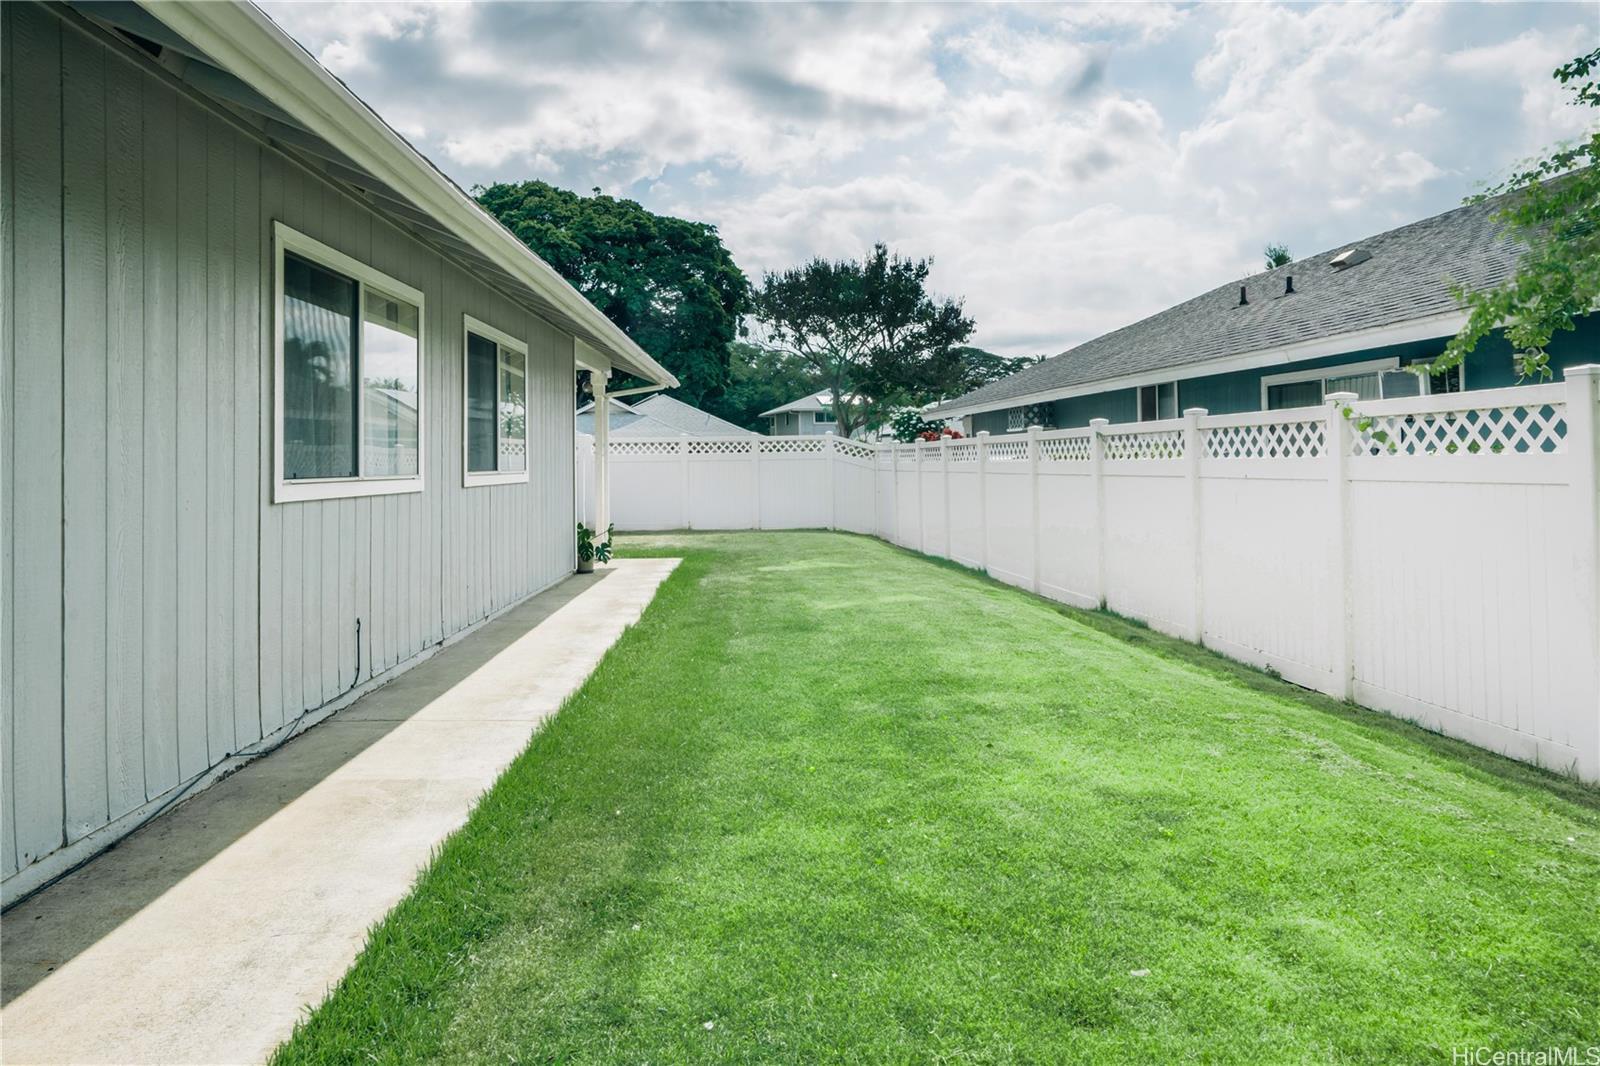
(1288, 285)
(1349, 258)
(1243, 299)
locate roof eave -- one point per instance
(252, 47)
(1426, 328)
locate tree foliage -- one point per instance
(868, 329)
(1553, 206)
(974, 368)
(1277, 255)
(667, 282)
(759, 380)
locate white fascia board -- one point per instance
(250, 46)
(1417, 329)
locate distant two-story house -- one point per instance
(1351, 319)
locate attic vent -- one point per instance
(1349, 258)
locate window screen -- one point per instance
(483, 360)
(319, 367)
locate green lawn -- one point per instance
(829, 801)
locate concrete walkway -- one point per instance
(203, 937)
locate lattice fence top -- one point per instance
(1274, 440)
(720, 446)
(1157, 444)
(642, 448)
(962, 451)
(1065, 449)
(854, 448)
(1513, 428)
(1008, 451)
(791, 445)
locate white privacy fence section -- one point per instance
(741, 483)
(1434, 557)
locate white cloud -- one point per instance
(1070, 168)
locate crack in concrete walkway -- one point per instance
(203, 937)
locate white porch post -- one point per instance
(602, 452)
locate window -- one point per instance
(348, 376)
(1158, 401)
(1376, 379)
(1449, 381)
(496, 406)
(1016, 420)
(824, 415)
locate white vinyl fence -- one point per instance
(1434, 557)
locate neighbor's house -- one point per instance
(809, 416)
(283, 410)
(1350, 319)
(660, 416)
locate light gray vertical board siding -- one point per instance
(193, 358)
(220, 427)
(36, 591)
(83, 438)
(271, 583)
(8, 445)
(248, 289)
(292, 552)
(328, 549)
(124, 619)
(160, 247)
(199, 616)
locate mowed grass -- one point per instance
(832, 802)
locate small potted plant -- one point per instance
(590, 551)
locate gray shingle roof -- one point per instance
(1408, 277)
(683, 418)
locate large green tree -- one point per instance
(760, 379)
(868, 329)
(667, 282)
(975, 368)
(1553, 207)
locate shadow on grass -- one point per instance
(1388, 729)
(1394, 731)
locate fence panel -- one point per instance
(1434, 557)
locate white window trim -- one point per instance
(475, 478)
(285, 239)
(1138, 401)
(1342, 370)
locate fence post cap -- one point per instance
(1342, 398)
(1034, 431)
(1195, 412)
(1587, 370)
(983, 433)
(1099, 421)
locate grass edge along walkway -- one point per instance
(829, 800)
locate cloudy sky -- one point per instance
(1070, 169)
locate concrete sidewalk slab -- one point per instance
(203, 937)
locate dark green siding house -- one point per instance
(1351, 319)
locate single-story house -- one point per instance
(1349, 319)
(284, 410)
(809, 416)
(660, 416)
